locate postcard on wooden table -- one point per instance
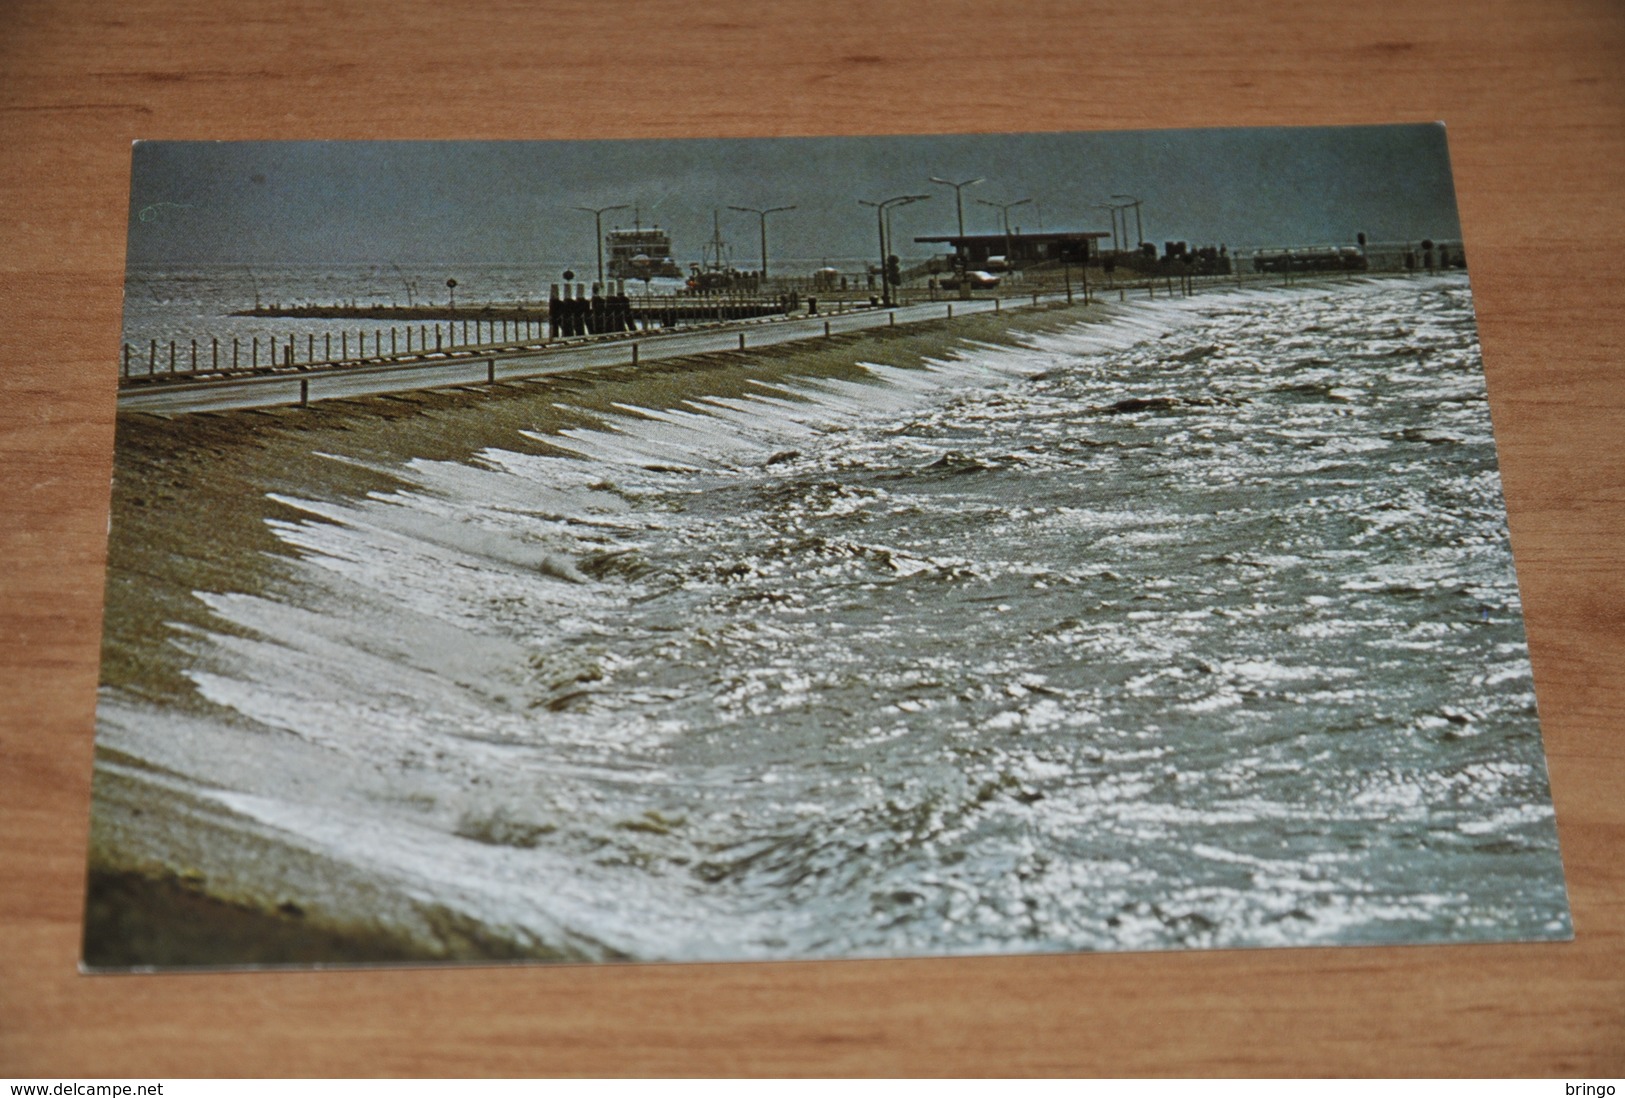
(807, 548)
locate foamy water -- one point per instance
(1193, 628)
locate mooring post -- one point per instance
(741, 341)
(891, 319)
(634, 354)
(172, 356)
(304, 392)
(289, 355)
(194, 356)
(234, 352)
(438, 343)
(152, 358)
(125, 370)
(826, 329)
(344, 346)
(950, 310)
(490, 371)
(214, 350)
(255, 361)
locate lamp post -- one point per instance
(959, 204)
(598, 213)
(1113, 210)
(1004, 208)
(1139, 231)
(959, 200)
(882, 210)
(763, 215)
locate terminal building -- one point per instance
(1017, 250)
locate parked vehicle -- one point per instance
(978, 280)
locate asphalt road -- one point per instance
(509, 364)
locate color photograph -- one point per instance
(807, 548)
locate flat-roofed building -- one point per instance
(1021, 249)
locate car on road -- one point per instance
(978, 280)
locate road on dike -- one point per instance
(514, 363)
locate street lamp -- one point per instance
(1139, 232)
(763, 215)
(959, 204)
(882, 211)
(598, 213)
(961, 251)
(1005, 208)
(1107, 206)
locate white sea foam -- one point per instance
(947, 658)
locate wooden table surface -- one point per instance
(1534, 95)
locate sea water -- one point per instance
(1195, 627)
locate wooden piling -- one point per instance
(634, 354)
(235, 348)
(741, 341)
(124, 371)
(194, 356)
(490, 371)
(304, 392)
(255, 360)
(826, 329)
(152, 359)
(214, 349)
(172, 356)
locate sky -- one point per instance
(442, 203)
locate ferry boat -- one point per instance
(641, 253)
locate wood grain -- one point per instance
(1535, 99)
